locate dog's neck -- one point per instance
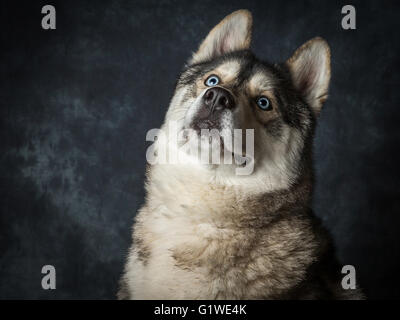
(198, 193)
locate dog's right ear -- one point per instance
(231, 34)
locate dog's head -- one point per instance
(225, 87)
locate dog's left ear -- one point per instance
(310, 68)
(231, 34)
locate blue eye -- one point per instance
(212, 81)
(264, 103)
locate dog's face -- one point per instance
(225, 87)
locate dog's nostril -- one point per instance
(223, 101)
(209, 95)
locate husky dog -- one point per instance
(206, 232)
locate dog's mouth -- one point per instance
(208, 134)
(205, 124)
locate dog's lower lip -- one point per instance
(204, 124)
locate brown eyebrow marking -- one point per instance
(259, 83)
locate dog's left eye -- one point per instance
(212, 81)
(264, 103)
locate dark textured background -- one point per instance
(77, 102)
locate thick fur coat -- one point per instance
(205, 232)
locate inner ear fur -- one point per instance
(310, 69)
(231, 34)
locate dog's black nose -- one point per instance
(218, 99)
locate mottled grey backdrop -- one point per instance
(76, 104)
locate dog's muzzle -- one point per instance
(214, 103)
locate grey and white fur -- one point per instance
(205, 232)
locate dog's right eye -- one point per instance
(211, 81)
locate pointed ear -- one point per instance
(231, 34)
(310, 68)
